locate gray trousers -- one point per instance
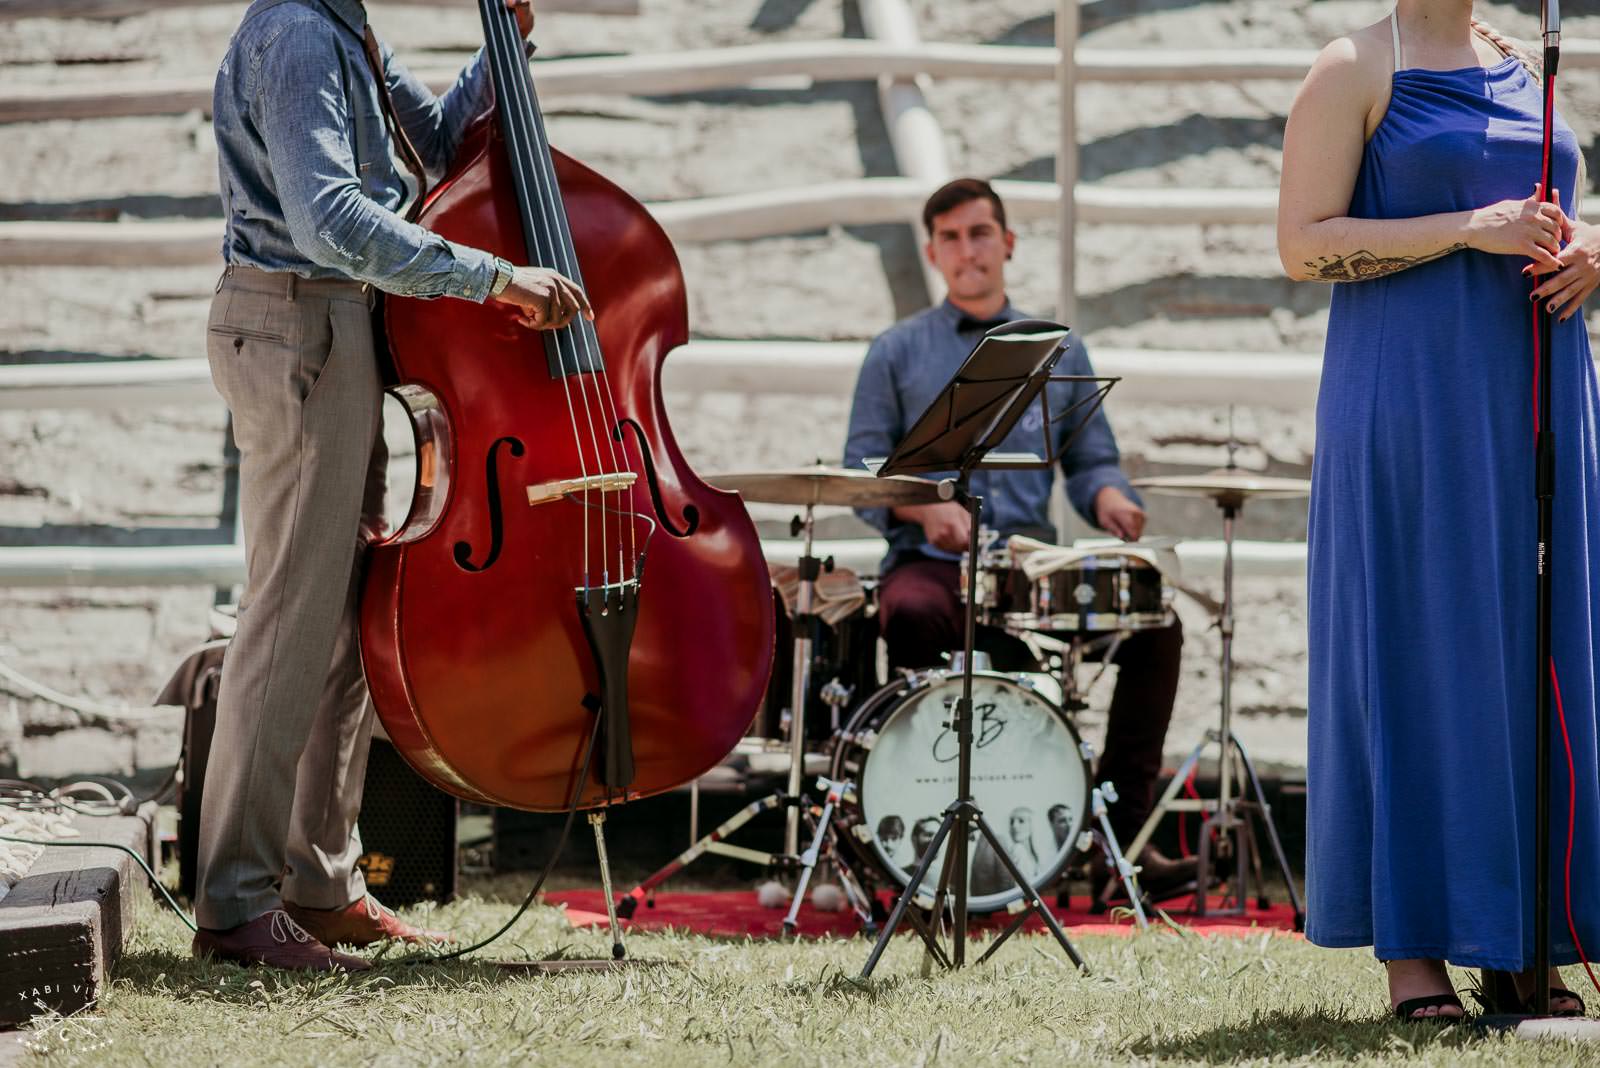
(294, 361)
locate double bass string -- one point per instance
(582, 333)
(512, 104)
(557, 254)
(587, 339)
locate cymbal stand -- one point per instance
(822, 833)
(1126, 872)
(1228, 816)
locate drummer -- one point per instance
(919, 611)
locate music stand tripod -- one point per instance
(994, 387)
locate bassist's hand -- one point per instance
(524, 12)
(549, 300)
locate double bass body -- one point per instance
(471, 634)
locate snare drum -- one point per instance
(1030, 777)
(1108, 592)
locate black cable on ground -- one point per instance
(29, 796)
(561, 845)
(154, 881)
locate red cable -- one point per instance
(1183, 819)
(1572, 812)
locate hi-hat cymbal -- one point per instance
(1226, 485)
(827, 485)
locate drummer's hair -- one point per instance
(952, 195)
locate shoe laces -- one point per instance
(376, 910)
(284, 928)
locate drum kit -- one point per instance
(890, 757)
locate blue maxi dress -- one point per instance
(1421, 569)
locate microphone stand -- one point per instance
(1545, 483)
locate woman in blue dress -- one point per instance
(1411, 160)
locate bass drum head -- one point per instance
(1029, 778)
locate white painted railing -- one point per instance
(117, 9)
(734, 217)
(223, 565)
(722, 68)
(798, 368)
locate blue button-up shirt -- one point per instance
(907, 367)
(308, 184)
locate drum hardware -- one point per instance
(822, 831)
(807, 487)
(998, 382)
(836, 695)
(1228, 816)
(1125, 871)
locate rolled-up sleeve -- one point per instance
(312, 160)
(876, 420)
(1091, 462)
(435, 123)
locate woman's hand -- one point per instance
(1531, 228)
(1578, 273)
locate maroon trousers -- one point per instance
(921, 618)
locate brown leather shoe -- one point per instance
(361, 923)
(275, 940)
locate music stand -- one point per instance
(1007, 371)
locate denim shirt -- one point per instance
(906, 368)
(308, 183)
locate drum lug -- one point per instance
(1086, 751)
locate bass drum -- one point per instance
(1029, 777)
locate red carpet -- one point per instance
(736, 914)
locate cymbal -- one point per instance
(1226, 485)
(827, 485)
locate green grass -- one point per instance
(1163, 998)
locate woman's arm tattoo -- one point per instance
(1363, 266)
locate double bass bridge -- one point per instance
(609, 482)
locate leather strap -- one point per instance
(408, 152)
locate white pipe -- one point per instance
(735, 217)
(914, 133)
(223, 565)
(1067, 162)
(772, 368)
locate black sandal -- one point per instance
(1497, 993)
(1406, 1011)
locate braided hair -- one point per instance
(1534, 63)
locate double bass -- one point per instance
(563, 579)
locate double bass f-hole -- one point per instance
(463, 550)
(691, 514)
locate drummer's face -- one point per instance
(969, 248)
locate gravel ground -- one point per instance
(81, 477)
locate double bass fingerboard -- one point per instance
(574, 349)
